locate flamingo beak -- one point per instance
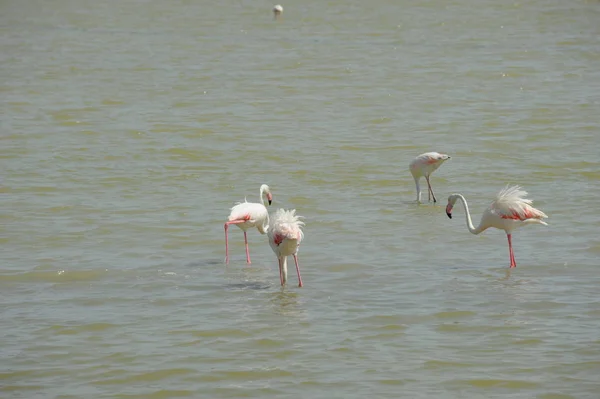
(269, 198)
(449, 211)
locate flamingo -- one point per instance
(509, 210)
(277, 11)
(424, 165)
(285, 234)
(247, 215)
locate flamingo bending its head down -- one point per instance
(285, 234)
(247, 215)
(424, 165)
(509, 210)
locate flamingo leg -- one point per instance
(298, 270)
(513, 263)
(227, 239)
(247, 250)
(280, 261)
(430, 189)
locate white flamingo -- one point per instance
(285, 234)
(509, 210)
(247, 215)
(424, 165)
(277, 11)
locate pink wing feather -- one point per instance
(510, 203)
(286, 225)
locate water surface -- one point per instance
(130, 128)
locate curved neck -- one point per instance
(470, 226)
(262, 194)
(284, 269)
(418, 189)
(264, 228)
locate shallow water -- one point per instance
(130, 128)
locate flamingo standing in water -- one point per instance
(509, 210)
(247, 215)
(277, 11)
(424, 165)
(285, 234)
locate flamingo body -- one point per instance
(423, 166)
(277, 11)
(285, 235)
(509, 210)
(247, 215)
(251, 215)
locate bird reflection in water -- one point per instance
(286, 303)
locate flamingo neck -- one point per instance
(418, 189)
(284, 269)
(266, 223)
(472, 229)
(261, 196)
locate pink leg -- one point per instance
(280, 261)
(514, 262)
(227, 241)
(247, 251)
(430, 189)
(511, 253)
(298, 270)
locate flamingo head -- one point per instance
(440, 159)
(451, 202)
(266, 191)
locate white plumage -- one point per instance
(247, 215)
(251, 214)
(509, 210)
(285, 235)
(424, 165)
(511, 203)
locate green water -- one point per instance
(129, 128)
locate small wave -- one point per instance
(58, 276)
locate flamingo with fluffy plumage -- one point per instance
(247, 215)
(424, 165)
(285, 234)
(509, 210)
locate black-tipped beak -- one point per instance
(449, 215)
(269, 202)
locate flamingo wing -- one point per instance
(285, 225)
(429, 158)
(251, 212)
(287, 233)
(427, 163)
(511, 203)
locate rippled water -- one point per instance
(130, 127)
